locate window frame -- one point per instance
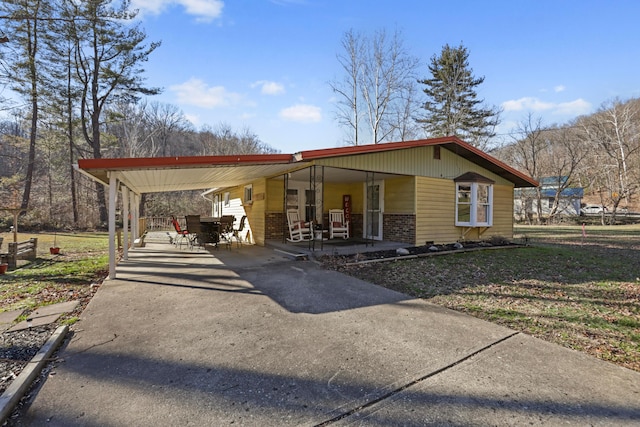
(248, 194)
(474, 204)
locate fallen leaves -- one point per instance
(584, 297)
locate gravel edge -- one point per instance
(22, 383)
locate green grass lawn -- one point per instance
(74, 274)
(578, 290)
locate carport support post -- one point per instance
(113, 187)
(125, 223)
(135, 218)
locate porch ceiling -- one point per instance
(161, 178)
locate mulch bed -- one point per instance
(424, 250)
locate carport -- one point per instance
(133, 177)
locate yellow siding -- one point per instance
(333, 193)
(502, 213)
(399, 195)
(274, 195)
(416, 161)
(435, 213)
(255, 211)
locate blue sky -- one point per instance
(265, 64)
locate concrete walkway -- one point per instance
(249, 337)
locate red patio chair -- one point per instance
(180, 233)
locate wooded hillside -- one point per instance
(599, 153)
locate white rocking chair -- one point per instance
(298, 230)
(338, 227)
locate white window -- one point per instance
(248, 194)
(216, 205)
(227, 201)
(474, 204)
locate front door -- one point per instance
(374, 200)
(301, 199)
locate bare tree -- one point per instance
(405, 127)
(563, 157)
(389, 72)
(223, 141)
(378, 87)
(348, 88)
(614, 135)
(526, 154)
(127, 122)
(167, 120)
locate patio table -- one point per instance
(210, 227)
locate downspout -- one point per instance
(204, 196)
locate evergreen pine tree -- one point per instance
(452, 106)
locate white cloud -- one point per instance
(573, 108)
(303, 113)
(559, 88)
(526, 103)
(198, 93)
(269, 88)
(204, 10)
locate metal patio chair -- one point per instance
(195, 230)
(237, 231)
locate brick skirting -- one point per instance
(396, 227)
(399, 228)
(274, 225)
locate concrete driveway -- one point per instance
(251, 337)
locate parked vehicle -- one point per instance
(592, 209)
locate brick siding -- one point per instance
(399, 228)
(274, 225)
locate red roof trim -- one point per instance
(372, 148)
(257, 159)
(195, 161)
(377, 148)
(495, 161)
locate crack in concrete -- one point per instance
(414, 382)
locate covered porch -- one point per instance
(316, 190)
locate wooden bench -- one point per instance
(19, 250)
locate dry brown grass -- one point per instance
(576, 291)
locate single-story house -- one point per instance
(527, 201)
(437, 190)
